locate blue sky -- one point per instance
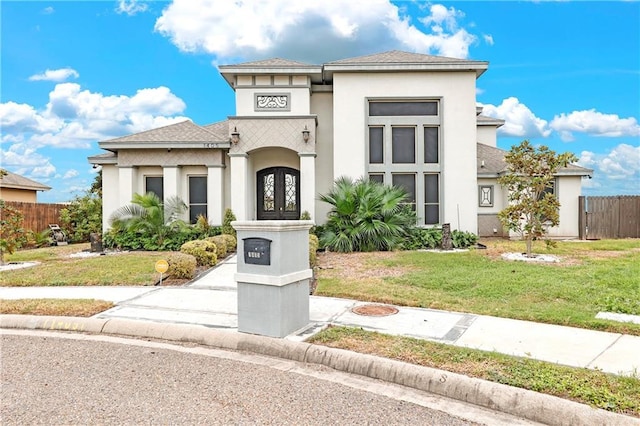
(562, 74)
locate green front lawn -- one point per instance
(592, 277)
(58, 269)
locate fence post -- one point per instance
(582, 218)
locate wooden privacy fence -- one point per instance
(609, 217)
(37, 217)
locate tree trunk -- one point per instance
(529, 244)
(447, 244)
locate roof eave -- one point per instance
(115, 146)
(228, 72)
(478, 66)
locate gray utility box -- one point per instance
(273, 276)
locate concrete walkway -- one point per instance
(211, 301)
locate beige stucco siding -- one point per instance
(322, 106)
(487, 135)
(110, 198)
(568, 191)
(20, 195)
(172, 157)
(456, 92)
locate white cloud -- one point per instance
(131, 7)
(58, 75)
(488, 38)
(520, 121)
(70, 174)
(74, 118)
(594, 123)
(618, 169)
(310, 31)
(48, 10)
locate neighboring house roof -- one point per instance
(396, 60)
(185, 134)
(490, 163)
(15, 181)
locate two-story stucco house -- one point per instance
(400, 118)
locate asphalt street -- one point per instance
(57, 378)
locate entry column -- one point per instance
(239, 188)
(308, 182)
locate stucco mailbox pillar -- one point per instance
(273, 276)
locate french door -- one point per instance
(278, 194)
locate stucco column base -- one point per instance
(273, 276)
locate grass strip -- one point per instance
(56, 307)
(618, 394)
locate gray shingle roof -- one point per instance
(220, 129)
(272, 62)
(484, 120)
(490, 162)
(397, 57)
(185, 131)
(15, 181)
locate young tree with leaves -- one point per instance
(11, 231)
(530, 174)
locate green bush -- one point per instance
(221, 245)
(231, 241)
(461, 239)
(226, 222)
(82, 217)
(431, 238)
(181, 265)
(313, 248)
(366, 216)
(129, 239)
(204, 251)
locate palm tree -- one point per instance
(366, 216)
(148, 215)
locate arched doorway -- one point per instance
(278, 190)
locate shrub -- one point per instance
(366, 216)
(231, 241)
(82, 217)
(431, 238)
(11, 231)
(181, 265)
(204, 251)
(313, 248)
(226, 223)
(221, 245)
(463, 239)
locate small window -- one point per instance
(197, 197)
(376, 177)
(376, 145)
(377, 109)
(431, 145)
(485, 195)
(407, 182)
(154, 184)
(551, 189)
(403, 145)
(431, 199)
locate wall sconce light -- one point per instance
(305, 134)
(235, 136)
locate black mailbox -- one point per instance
(257, 251)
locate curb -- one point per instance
(523, 403)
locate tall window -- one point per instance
(197, 197)
(154, 184)
(404, 149)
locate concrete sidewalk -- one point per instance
(211, 301)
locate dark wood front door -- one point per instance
(278, 194)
